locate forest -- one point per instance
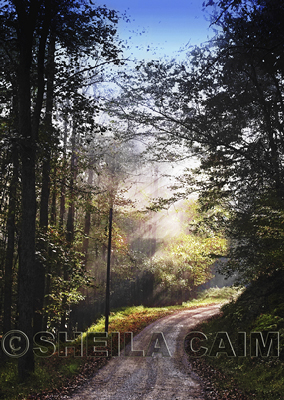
(187, 154)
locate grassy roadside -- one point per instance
(62, 372)
(260, 308)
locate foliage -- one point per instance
(224, 293)
(223, 106)
(257, 238)
(51, 52)
(259, 308)
(57, 256)
(187, 261)
(267, 322)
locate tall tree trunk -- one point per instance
(87, 227)
(70, 221)
(27, 259)
(63, 180)
(63, 210)
(28, 133)
(53, 214)
(45, 189)
(27, 256)
(88, 217)
(10, 244)
(48, 274)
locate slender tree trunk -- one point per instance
(27, 260)
(48, 278)
(87, 228)
(88, 218)
(27, 257)
(53, 214)
(40, 268)
(70, 220)
(62, 209)
(45, 189)
(10, 244)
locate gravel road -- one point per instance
(156, 377)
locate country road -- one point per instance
(155, 377)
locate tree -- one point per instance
(34, 34)
(224, 106)
(186, 261)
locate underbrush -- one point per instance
(209, 296)
(260, 308)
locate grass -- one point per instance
(258, 379)
(217, 295)
(57, 372)
(49, 374)
(260, 308)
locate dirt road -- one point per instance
(156, 377)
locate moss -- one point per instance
(267, 322)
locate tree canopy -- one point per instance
(224, 106)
